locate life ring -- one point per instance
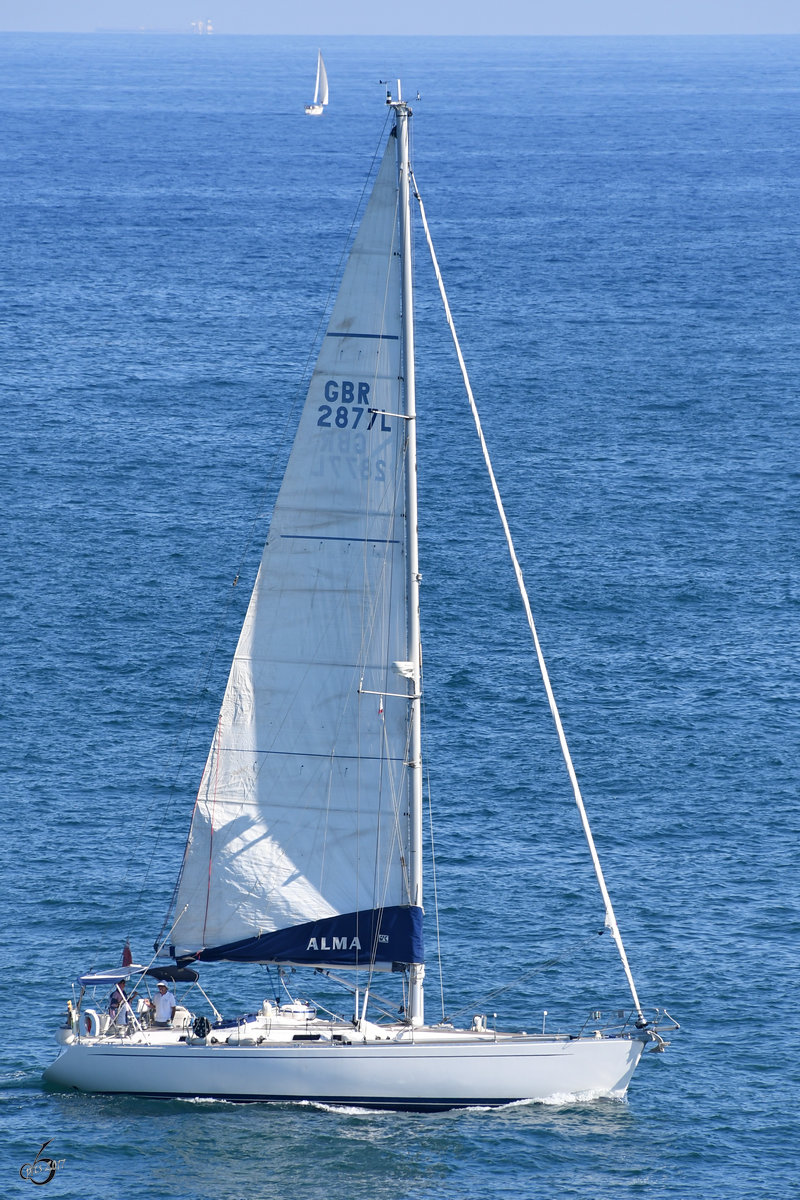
(91, 1022)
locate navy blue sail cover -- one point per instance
(381, 937)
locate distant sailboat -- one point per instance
(320, 90)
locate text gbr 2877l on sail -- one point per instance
(306, 846)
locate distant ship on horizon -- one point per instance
(201, 27)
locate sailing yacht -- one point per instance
(317, 106)
(306, 847)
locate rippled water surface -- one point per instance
(617, 222)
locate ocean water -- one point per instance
(618, 223)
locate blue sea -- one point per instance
(618, 224)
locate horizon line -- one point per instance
(105, 31)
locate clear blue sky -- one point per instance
(431, 17)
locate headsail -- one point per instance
(321, 90)
(298, 845)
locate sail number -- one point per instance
(347, 406)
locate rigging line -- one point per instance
(611, 920)
(426, 760)
(537, 970)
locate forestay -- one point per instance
(300, 829)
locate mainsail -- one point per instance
(298, 847)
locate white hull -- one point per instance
(436, 1072)
(314, 110)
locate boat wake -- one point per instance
(557, 1100)
(569, 1099)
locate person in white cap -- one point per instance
(164, 1005)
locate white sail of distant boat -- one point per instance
(305, 847)
(315, 109)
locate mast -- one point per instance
(416, 1003)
